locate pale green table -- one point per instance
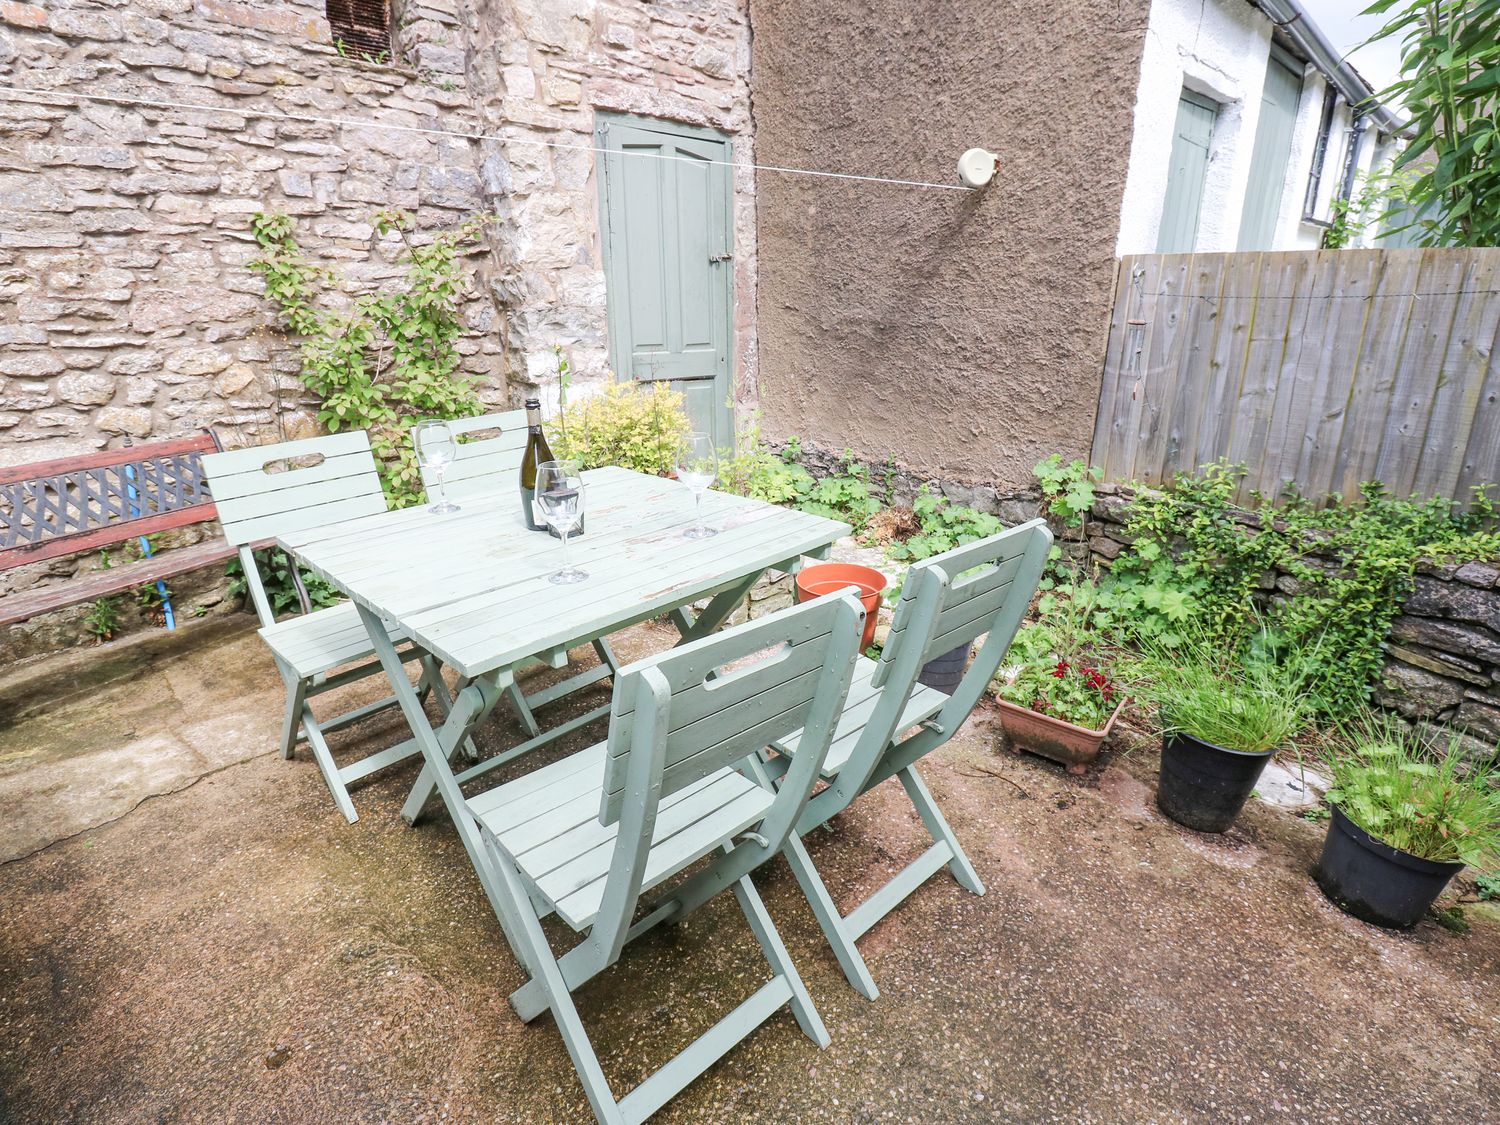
(471, 587)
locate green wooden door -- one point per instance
(1189, 165)
(1268, 159)
(668, 243)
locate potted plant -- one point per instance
(1057, 698)
(1405, 821)
(1224, 712)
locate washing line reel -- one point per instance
(977, 167)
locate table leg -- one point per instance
(716, 612)
(470, 706)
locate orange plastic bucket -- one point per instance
(829, 578)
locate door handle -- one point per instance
(721, 257)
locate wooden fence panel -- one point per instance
(1315, 369)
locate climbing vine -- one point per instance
(385, 359)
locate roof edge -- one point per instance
(1293, 19)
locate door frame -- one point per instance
(619, 353)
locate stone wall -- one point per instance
(126, 304)
(124, 231)
(1442, 669)
(539, 70)
(897, 484)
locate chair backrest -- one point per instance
(692, 710)
(947, 601)
(488, 459)
(270, 490)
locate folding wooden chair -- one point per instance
(316, 650)
(946, 601)
(488, 463)
(587, 836)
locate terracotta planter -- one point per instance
(829, 578)
(1050, 737)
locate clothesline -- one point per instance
(347, 122)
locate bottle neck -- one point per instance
(534, 419)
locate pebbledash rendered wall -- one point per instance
(126, 305)
(960, 333)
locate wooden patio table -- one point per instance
(471, 587)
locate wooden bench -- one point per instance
(49, 509)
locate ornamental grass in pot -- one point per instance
(1225, 710)
(1057, 697)
(1406, 819)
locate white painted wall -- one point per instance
(1220, 49)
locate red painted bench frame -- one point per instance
(121, 527)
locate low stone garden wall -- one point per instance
(1442, 667)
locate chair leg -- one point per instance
(324, 758)
(856, 972)
(938, 828)
(524, 931)
(771, 945)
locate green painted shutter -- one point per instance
(668, 266)
(1268, 159)
(1189, 164)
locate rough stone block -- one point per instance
(1441, 663)
(1480, 719)
(135, 363)
(1483, 575)
(84, 156)
(85, 25)
(22, 15)
(1471, 642)
(86, 389)
(135, 421)
(1415, 693)
(1457, 600)
(33, 364)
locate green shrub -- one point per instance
(275, 569)
(634, 425)
(845, 497)
(942, 525)
(1199, 562)
(754, 470)
(1437, 806)
(386, 359)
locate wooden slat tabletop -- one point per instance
(471, 586)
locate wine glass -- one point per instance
(559, 497)
(698, 467)
(435, 452)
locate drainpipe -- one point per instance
(1357, 129)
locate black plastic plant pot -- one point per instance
(1374, 881)
(943, 672)
(1205, 786)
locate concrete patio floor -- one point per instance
(190, 932)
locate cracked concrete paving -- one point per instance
(230, 950)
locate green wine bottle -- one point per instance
(538, 452)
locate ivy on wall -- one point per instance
(383, 360)
(1199, 564)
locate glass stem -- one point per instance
(563, 535)
(442, 485)
(698, 509)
